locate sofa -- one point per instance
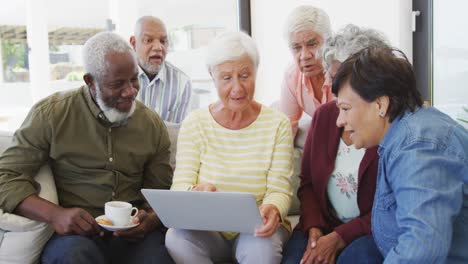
(22, 239)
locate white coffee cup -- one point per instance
(120, 213)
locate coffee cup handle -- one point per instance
(134, 212)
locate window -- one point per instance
(14, 64)
(41, 43)
(450, 53)
(14, 54)
(190, 32)
(65, 56)
(441, 58)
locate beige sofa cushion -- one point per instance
(173, 131)
(299, 142)
(295, 205)
(5, 140)
(23, 239)
(16, 223)
(25, 247)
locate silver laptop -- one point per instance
(208, 211)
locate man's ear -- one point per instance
(132, 41)
(90, 82)
(88, 79)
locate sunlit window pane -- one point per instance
(450, 59)
(65, 56)
(51, 61)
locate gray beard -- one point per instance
(113, 114)
(148, 67)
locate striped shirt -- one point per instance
(168, 93)
(256, 159)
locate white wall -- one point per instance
(179, 13)
(392, 17)
(83, 13)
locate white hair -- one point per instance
(98, 47)
(230, 46)
(349, 41)
(305, 18)
(112, 114)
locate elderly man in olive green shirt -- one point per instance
(101, 145)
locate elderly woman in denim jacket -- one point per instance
(420, 210)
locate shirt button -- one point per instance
(111, 159)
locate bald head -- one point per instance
(150, 43)
(150, 20)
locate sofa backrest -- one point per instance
(173, 131)
(5, 140)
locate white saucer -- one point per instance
(116, 228)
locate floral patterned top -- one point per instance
(343, 184)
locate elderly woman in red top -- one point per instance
(337, 180)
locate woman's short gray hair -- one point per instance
(96, 49)
(230, 46)
(305, 18)
(349, 41)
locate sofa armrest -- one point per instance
(12, 222)
(23, 238)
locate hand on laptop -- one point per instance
(271, 220)
(204, 187)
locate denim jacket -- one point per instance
(420, 211)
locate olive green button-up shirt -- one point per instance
(93, 161)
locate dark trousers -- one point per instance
(361, 251)
(295, 247)
(106, 249)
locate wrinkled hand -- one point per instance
(325, 250)
(74, 221)
(314, 235)
(148, 222)
(204, 187)
(271, 220)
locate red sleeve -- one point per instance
(355, 228)
(311, 215)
